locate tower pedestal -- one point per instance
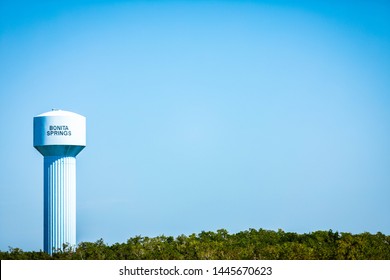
(59, 202)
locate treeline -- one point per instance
(220, 245)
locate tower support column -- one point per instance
(59, 202)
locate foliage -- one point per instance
(220, 245)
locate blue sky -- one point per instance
(201, 115)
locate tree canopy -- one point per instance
(251, 244)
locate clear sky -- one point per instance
(201, 115)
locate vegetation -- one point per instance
(248, 245)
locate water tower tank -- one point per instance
(59, 136)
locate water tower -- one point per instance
(59, 136)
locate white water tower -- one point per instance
(59, 136)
